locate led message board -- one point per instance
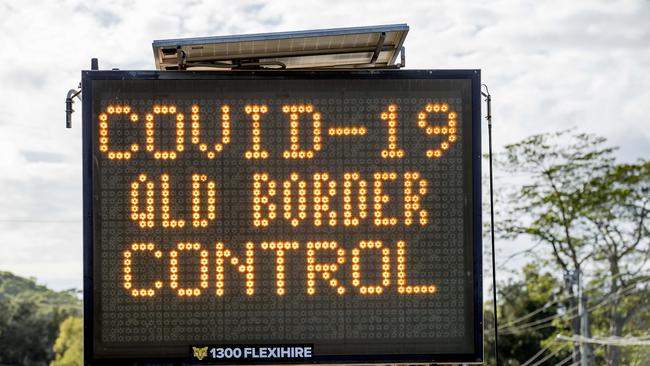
(270, 217)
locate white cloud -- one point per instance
(549, 65)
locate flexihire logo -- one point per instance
(200, 352)
(243, 352)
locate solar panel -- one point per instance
(356, 47)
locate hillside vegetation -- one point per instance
(30, 316)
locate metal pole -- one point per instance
(488, 99)
(585, 349)
(571, 281)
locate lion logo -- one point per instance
(200, 352)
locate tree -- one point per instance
(618, 207)
(69, 345)
(528, 311)
(25, 334)
(591, 214)
(30, 315)
(549, 206)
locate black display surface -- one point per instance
(338, 210)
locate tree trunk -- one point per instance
(617, 330)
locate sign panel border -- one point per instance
(88, 191)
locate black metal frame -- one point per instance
(87, 148)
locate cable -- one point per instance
(544, 307)
(488, 99)
(549, 355)
(567, 359)
(608, 341)
(511, 256)
(536, 355)
(534, 323)
(532, 328)
(28, 221)
(537, 324)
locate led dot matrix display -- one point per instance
(334, 209)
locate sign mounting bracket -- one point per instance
(380, 43)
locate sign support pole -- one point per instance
(488, 99)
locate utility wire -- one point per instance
(535, 325)
(609, 341)
(549, 355)
(533, 313)
(513, 255)
(602, 300)
(537, 355)
(28, 221)
(565, 360)
(532, 324)
(533, 328)
(552, 302)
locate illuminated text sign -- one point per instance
(338, 210)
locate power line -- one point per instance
(37, 221)
(537, 355)
(549, 355)
(538, 321)
(505, 261)
(532, 328)
(608, 341)
(538, 324)
(567, 359)
(531, 314)
(552, 302)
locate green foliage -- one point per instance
(69, 346)
(592, 216)
(30, 315)
(550, 202)
(529, 309)
(618, 209)
(18, 288)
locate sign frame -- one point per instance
(88, 76)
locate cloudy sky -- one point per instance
(549, 65)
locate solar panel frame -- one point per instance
(287, 48)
